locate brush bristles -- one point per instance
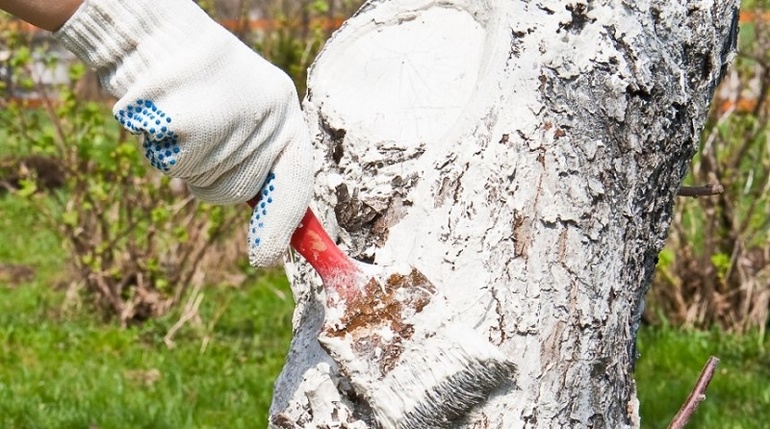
(455, 397)
(443, 381)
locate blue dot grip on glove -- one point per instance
(261, 204)
(161, 144)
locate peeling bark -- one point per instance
(525, 156)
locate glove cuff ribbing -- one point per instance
(119, 38)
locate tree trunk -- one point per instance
(525, 157)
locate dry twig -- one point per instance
(701, 191)
(697, 395)
(190, 311)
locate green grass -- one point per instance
(24, 240)
(72, 371)
(66, 369)
(671, 359)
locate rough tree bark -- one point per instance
(525, 156)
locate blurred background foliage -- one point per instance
(715, 269)
(89, 234)
(135, 241)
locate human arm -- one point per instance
(46, 14)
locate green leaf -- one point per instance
(21, 57)
(161, 284)
(721, 263)
(98, 190)
(159, 214)
(28, 187)
(70, 217)
(666, 258)
(77, 71)
(319, 6)
(181, 234)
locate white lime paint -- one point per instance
(527, 168)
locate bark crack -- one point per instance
(501, 325)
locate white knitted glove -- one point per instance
(213, 113)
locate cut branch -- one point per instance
(701, 191)
(697, 395)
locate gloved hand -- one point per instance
(213, 113)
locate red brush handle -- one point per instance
(314, 244)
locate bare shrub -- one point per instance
(135, 238)
(715, 269)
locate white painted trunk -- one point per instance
(525, 157)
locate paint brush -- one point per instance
(409, 378)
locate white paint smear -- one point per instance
(407, 80)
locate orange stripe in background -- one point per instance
(744, 105)
(751, 16)
(230, 24)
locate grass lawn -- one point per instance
(738, 396)
(73, 372)
(65, 369)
